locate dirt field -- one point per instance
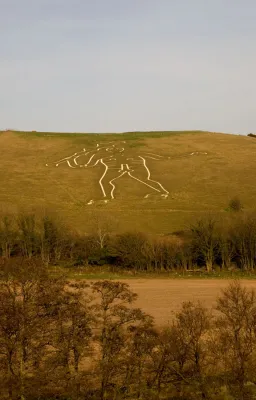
(160, 298)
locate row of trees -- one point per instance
(207, 244)
(73, 341)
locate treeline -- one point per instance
(208, 244)
(75, 341)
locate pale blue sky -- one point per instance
(122, 65)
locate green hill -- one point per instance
(201, 171)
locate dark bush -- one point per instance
(235, 204)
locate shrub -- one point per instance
(235, 204)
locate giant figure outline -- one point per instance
(106, 155)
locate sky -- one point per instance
(125, 65)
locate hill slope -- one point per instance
(200, 170)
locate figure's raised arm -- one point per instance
(93, 161)
(73, 160)
(70, 160)
(92, 157)
(152, 156)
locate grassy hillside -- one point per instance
(197, 183)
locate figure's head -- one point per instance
(115, 148)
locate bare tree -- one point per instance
(205, 241)
(131, 250)
(45, 331)
(235, 337)
(23, 324)
(8, 235)
(71, 336)
(138, 378)
(114, 319)
(244, 239)
(28, 234)
(102, 227)
(226, 245)
(52, 239)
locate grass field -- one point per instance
(197, 184)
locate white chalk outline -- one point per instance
(102, 177)
(197, 153)
(108, 147)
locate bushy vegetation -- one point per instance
(208, 245)
(235, 205)
(70, 341)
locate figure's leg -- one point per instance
(164, 192)
(156, 186)
(101, 180)
(106, 181)
(113, 185)
(152, 182)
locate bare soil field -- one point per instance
(161, 297)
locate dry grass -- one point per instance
(197, 184)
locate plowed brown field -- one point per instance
(161, 298)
